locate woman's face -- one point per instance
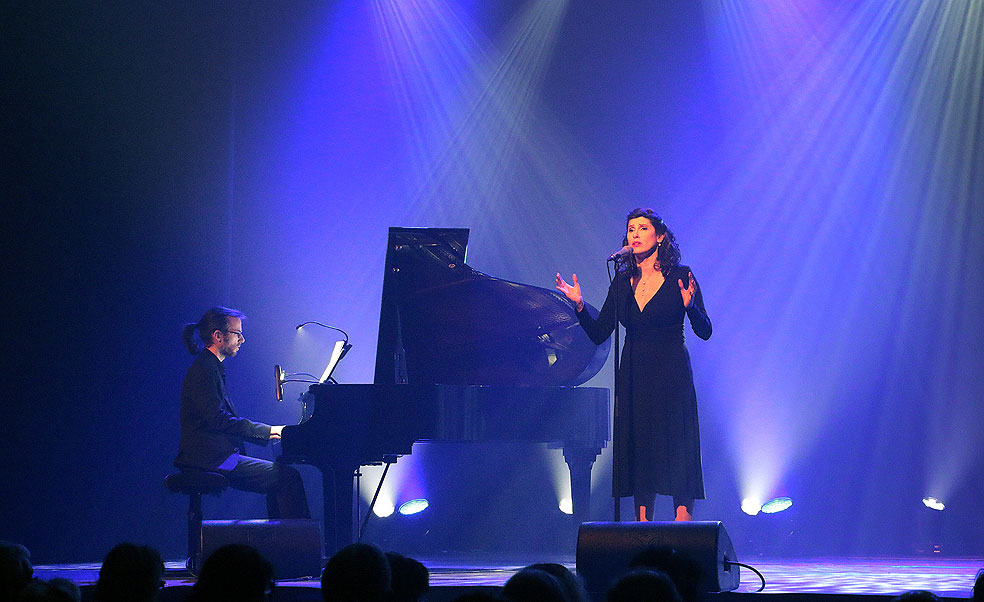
(641, 235)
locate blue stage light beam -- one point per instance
(403, 481)
(851, 176)
(481, 147)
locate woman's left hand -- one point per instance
(688, 292)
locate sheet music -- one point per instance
(336, 354)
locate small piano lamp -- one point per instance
(282, 376)
(341, 348)
(309, 322)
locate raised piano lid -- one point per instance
(443, 322)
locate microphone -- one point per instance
(621, 253)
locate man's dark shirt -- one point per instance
(211, 431)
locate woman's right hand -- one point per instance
(572, 292)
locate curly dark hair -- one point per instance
(667, 252)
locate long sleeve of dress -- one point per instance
(655, 423)
(699, 322)
(600, 328)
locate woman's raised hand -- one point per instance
(688, 293)
(572, 292)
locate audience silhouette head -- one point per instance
(408, 578)
(477, 596)
(53, 590)
(573, 588)
(234, 573)
(16, 569)
(916, 595)
(358, 572)
(130, 573)
(644, 585)
(682, 570)
(533, 585)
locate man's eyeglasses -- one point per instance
(238, 333)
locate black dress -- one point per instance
(657, 439)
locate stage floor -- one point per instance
(947, 577)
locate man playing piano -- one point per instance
(213, 434)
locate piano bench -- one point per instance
(194, 483)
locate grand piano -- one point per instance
(461, 356)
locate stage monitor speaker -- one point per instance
(605, 550)
(292, 546)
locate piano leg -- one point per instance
(579, 461)
(339, 494)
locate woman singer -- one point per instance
(657, 440)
